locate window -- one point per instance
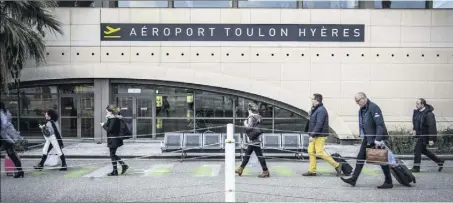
(267, 4)
(265, 109)
(288, 122)
(213, 105)
(143, 4)
(331, 4)
(203, 4)
(442, 4)
(399, 4)
(75, 3)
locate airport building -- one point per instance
(195, 65)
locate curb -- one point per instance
(214, 156)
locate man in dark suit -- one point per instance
(374, 133)
(425, 131)
(318, 130)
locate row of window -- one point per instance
(257, 54)
(310, 4)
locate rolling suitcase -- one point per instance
(9, 166)
(402, 174)
(345, 167)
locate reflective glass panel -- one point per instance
(173, 125)
(203, 4)
(213, 105)
(442, 4)
(241, 110)
(267, 4)
(172, 106)
(399, 4)
(145, 4)
(331, 4)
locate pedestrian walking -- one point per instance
(425, 132)
(374, 132)
(54, 140)
(9, 138)
(254, 132)
(318, 131)
(114, 139)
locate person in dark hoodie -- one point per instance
(425, 131)
(253, 131)
(114, 139)
(374, 133)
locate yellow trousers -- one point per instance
(316, 149)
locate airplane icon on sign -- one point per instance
(111, 30)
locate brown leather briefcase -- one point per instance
(376, 156)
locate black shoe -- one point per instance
(309, 174)
(38, 167)
(350, 181)
(386, 186)
(441, 165)
(415, 170)
(64, 167)
(113, 173)
(19, 174)
(124, 169)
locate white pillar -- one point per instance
(230, 175)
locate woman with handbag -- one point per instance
(51, 132)
(9, 138)
(254, 131)
(114, 139)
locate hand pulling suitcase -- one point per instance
(402, 174)
(345, 167)
(9, 166)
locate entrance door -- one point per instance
(137, 112)
(77, 116)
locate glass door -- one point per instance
(86, 116)
(77, 116)
(144, 109)
(126, 105)
(69, 122)
(137, 112)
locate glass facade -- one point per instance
(149, 110)
(75, 105)
(190, 110)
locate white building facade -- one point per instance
(197, 68)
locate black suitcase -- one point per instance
(402, 174)
(345, 167)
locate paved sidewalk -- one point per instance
(153, 150)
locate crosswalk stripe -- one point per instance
(159, 170)
(207, 170)
(73, 173)
(101, 172)
(369, 171)
(282, 170)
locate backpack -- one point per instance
(125, 131)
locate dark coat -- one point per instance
(318, 125)
(424, 123)
(113, 128)
(373, 123)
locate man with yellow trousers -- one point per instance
(318, 131)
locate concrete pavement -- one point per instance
(153, 150)
(203, 181)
